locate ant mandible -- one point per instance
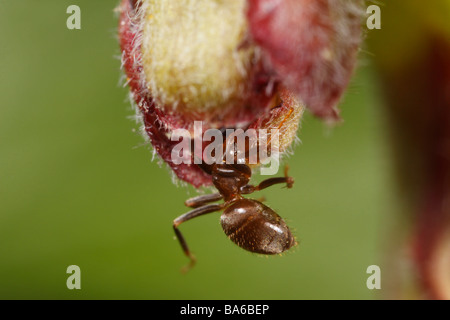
(247, 222)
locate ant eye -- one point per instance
(256, 228)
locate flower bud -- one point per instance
(234, 64)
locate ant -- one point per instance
(247, 222)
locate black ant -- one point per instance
(248, 223)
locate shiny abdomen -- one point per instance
(255, 227)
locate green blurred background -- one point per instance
(77, 184)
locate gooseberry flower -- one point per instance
(235, 64)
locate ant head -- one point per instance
(229, 178)
(255, 227)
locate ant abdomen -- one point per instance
(255, 227)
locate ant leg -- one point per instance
(188, 216)
(269, 182)
(202, 200)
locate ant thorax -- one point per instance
(229, 179)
